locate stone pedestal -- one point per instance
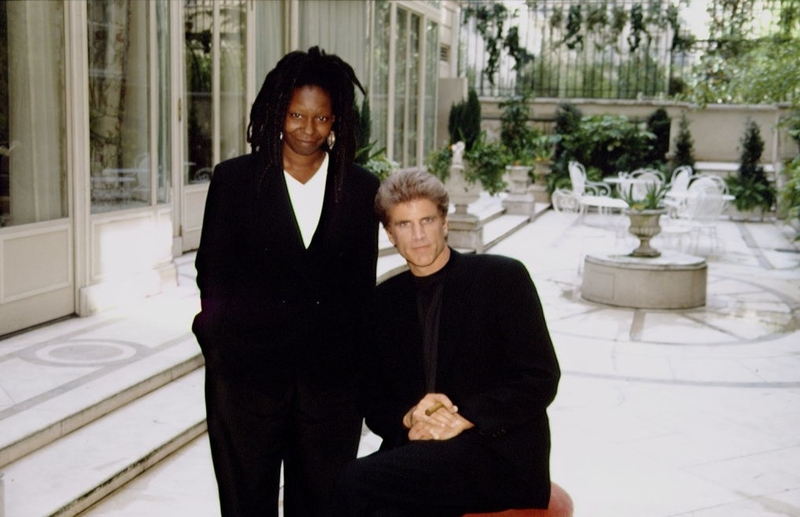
(465, 231)
(519, 201)
(671, 281)
(541, 169)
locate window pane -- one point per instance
(412, 104)
(164, 107)
(198, 22)
(431, 87)
(233, 64)
(118, 105)
(401, 86)
(32, 123)
(380, 76)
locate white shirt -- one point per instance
(307, 200)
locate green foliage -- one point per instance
(515, 134)
(573, 37)
(464, 122)
(741, 68)
(659, 123)
(684, 146)
(364, 146)
(604, 144)
(568, 119)
(792, 122)
(612, 143)
(490, 22)
(653, 196)
(790, 192)
(437, 162)
(382, 166)
(750, 186)
(486, 162)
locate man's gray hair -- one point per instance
(408, 185)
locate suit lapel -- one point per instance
(276, 222)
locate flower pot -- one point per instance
(542, 168)
(461, 191)
(645, 224)
(518, 178)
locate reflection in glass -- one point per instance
(120, 161)
(232, 53)
(33, 177)
(198, 25)
(164, 178)
(431, 86)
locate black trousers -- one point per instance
(313, 431)
(429, 479)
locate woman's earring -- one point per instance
(331, 139)
(280, 135)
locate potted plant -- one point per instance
(644, 212)
(483, 164)
(750, 187)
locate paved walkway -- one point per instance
(659, 413)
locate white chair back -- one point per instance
(638, 182)
(681, 177)
(708, 183)
(706, 200)
(577, 176)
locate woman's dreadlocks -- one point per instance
(295, 70)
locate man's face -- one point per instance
(419, 233)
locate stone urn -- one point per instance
(541, 168)
(645, 224)
(518, 178)
(461, 191)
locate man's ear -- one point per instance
(446, 227)
(391, 237)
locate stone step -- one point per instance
(28, 427)
(67, 476)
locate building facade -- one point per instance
(113, 114)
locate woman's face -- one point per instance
(309, 119)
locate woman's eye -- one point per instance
(296, 115)
(322, 119)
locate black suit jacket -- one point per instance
(272, 309)
(496, 361)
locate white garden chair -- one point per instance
(592, 194)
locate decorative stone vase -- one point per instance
(645, 224)
(541, 168)
(461, 192)
(518, 178)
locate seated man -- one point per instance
(460, 375)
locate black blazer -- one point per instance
(496, 361)
(272, 309)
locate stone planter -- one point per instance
(461, 192)
(518, 178)
(645, 224)
(541, 168)
(519, 200)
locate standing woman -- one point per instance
(286, 271)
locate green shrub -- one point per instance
(464, 120)
(659, 123)
(684, 146)
(750, 185)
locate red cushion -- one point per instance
(560, 506)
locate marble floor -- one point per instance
(659, 413)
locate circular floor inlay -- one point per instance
(85, 353)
